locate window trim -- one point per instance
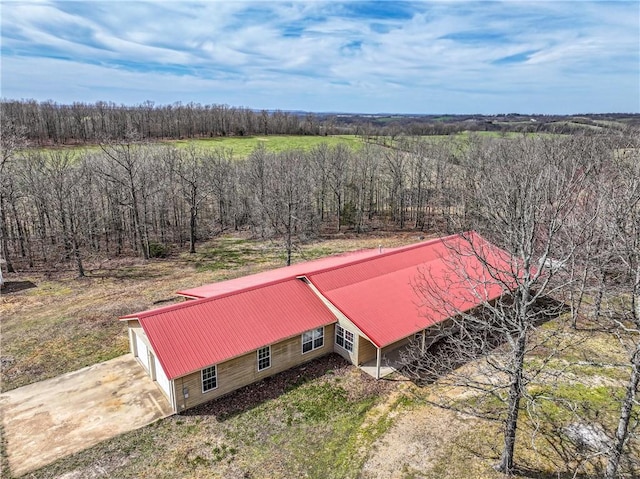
(313, 339)
(268, 356)
(341, 333)
(215, 375)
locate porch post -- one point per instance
(378, 360)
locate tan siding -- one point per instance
(354, 357)
(243, 370)
(366, 350)
(396, 345)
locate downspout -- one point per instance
(378, 360)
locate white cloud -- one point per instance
(451, 56)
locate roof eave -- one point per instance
(181, 375)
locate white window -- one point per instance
(313, 339)
(264, 358)
(209, 379)
(344, 338)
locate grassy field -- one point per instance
(240, 146)
(326, 419)
(243, 146)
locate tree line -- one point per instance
(47, 123)
(50, 123)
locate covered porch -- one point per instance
(380, 362)
(386, 363)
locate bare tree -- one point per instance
(124, 167)
(12, 139)
(623, 215)
(525, 192)
(219, 164)
(287, 204)
(254, 179)
(319, 159)
(192, 172)
(396, 162)
(606, 270)
(337, 165)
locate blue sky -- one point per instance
(443, 56)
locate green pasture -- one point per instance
(242, 146)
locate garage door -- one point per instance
(142, 352)
(161, 377)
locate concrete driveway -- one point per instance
(57, 417)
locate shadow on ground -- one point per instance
(9, 287)
(459, 346)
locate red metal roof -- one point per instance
(374, 290)
(293, 271)
(189, 336)
(379, 294)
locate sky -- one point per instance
(424, 57)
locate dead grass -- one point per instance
(429, 442)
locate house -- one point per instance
(361, 305)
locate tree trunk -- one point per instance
(77, 256)
(576, 305)
(625, 416)
(19, 230)
(622, 430)
(289, 231)
(339, 210)
(137, 224)
(515, 394)
(4, 232)
(192, 230)
(600, 295)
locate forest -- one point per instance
(49, 123)
(126, 194)
(566, 205)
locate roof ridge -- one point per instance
(344, 255)
(396, 250)
(226, 294)
(198, 301)
(193, 302)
